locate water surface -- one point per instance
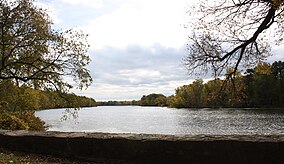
(157, 120)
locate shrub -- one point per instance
(20, 121)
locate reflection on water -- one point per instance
(157, 120)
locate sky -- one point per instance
(136, 46)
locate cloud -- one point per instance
(51, 11)
(133, 71)
(136, 46)
(277, 54)
(93, 3)
(151, 64)
(139, 22)
(105, 92)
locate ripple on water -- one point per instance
(156, 120)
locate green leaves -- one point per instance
(34, 61)
(17, 105)
(262, 86)
(20, 121)
(33, 53)
(153, 100)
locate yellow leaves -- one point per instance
(10, 121)
(232, 71)
(153, 100)
(263, 68)
(277, 4)
(36, 52)
(20, 121)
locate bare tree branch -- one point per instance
(232, 33)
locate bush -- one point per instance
(8, 121)
(33, 122)
(20, 121)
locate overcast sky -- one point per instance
(137, 46)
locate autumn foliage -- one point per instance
(262, 86)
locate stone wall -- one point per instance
(145, 148)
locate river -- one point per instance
(158, 120)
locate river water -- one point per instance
(158, 120)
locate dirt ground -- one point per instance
(13, 157)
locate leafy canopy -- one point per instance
(34, 54)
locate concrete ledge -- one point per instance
(147, 148)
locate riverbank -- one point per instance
(146, 148)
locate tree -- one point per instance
(265, 86)
(197, 89)
(232, 33)
(214, 97)
(188, 96)
(183, 97)
(153, 100)
(277, 70)
(34, 54)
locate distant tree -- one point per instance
(230, 33)
(234, 90)
(197, 89)
(277, 70)
(214, 97)
(249, 83)
(153, 100)
(183, 97)
(18, 99)
(261, 86)
(191, 95)
(161, 101)
(33, 53)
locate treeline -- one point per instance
(17, 105)
(262, 86)
(117, 103)
(147, 100)
(14, 98)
